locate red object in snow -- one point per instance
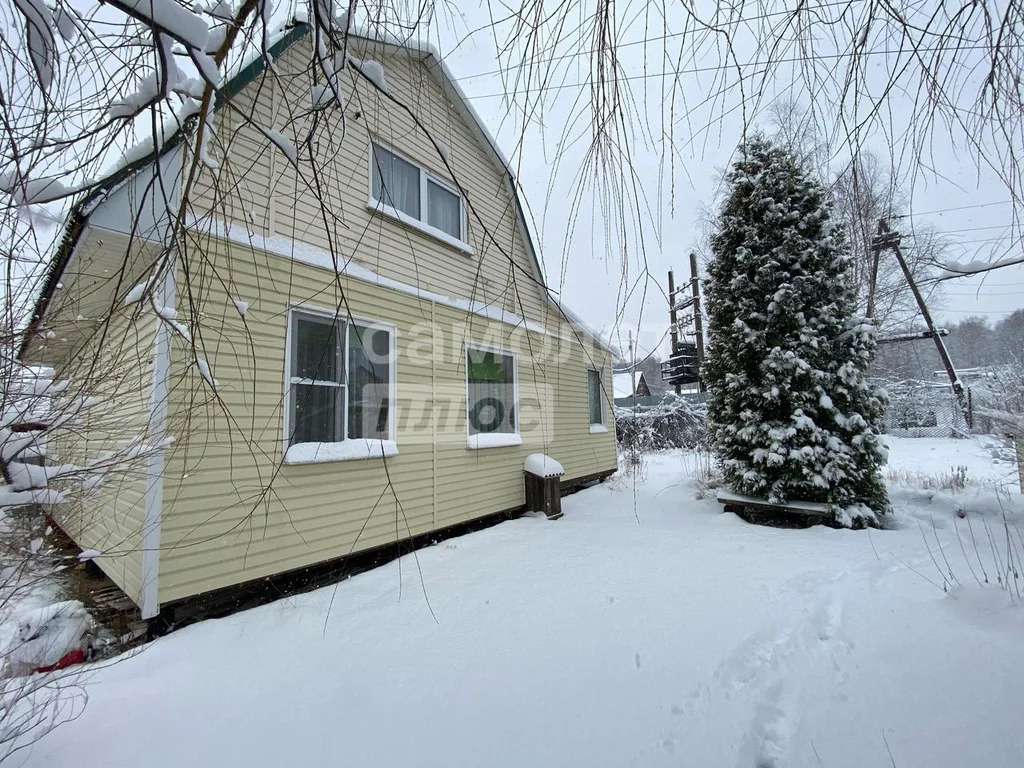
(76, 656)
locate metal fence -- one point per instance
(923, 409)
(916, 409)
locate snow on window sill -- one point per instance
(493, 440)
(347, 450)
(597, 429)
(409, 221)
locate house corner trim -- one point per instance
(156, 460)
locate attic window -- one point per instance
(407, 192)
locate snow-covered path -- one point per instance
(644, 628)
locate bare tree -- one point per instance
(88, 95)
(864, 192)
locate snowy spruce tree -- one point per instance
(792, 415)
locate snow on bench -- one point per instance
(748, 507)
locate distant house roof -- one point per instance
(623, 383)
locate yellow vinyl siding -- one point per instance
(233, 512)
(263, 191)
(114, 359)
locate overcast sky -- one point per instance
(589, 273)
(679, 180)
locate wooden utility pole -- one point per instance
(891, 240)
(673, 321)
(698, 322)
(876, 251)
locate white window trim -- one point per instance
(347, 449)
(596, 427)
(379, 206)
(494, 439)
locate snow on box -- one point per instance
(542, 465)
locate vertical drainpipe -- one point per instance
(156, 461)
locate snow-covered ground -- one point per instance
(644, 628)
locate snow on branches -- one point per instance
(792, 416)
(34, 405)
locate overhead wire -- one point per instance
(765, 63)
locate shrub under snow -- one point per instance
(675, 422)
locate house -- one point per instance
(349, 350)
(623, 385)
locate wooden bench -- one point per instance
(792, 514)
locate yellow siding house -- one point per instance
(340, 340)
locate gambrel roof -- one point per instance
(247, 72)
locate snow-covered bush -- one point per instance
(998, 399)
(792, 416)
(675, 422)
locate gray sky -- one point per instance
(678, 190)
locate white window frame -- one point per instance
(379, 206)
(346, 448)
(494, 439)
(597, 427)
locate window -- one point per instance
(317, 380)
(444, 210)
(594, 396)
(396, 182)
(369, 377)
(339, 376)
(491, 393)
(415, 197)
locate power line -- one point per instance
(956, 241)
(973, 229)
(982, 292)
(720, 67)
(536, 58)
(946, 210)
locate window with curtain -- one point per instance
(594, 396)
(491, 392)
(444, 210)
(410, 190)
(339, 380)
(369, 382)
(396, 182)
